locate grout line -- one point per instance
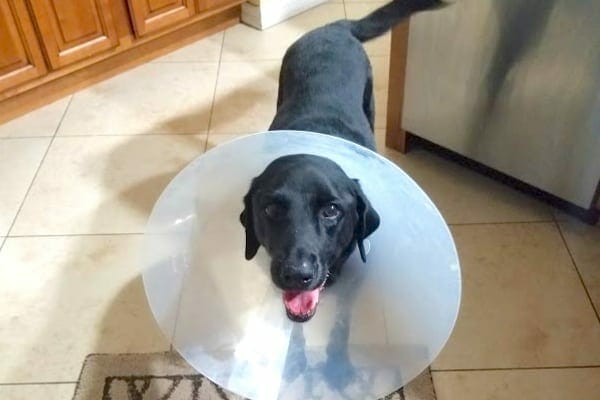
(278, 59)
(585, 289)
(432, 384)
(38, 383)
(63, 116)
(554, 216)
(515, 368)
(26, 137)
(37, 171)
(75, 235)
(501, 223)
(214, 98)
(180, 62)
(252, 60)
(129, 135)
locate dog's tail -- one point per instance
(383, 19)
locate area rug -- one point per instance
(166, 376)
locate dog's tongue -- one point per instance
(301, 303)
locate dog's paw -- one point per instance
(338, 372)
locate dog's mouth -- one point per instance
(300, 306)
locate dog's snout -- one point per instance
(299, 275)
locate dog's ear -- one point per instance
(368, 219)
(247, 220)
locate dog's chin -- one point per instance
(300, 306)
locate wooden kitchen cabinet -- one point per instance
(152, 15)
(52, 48)
(74, 30)
(20, 55)
(204, 5)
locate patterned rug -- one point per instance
(166, 376)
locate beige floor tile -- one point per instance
(375, 47)
(549, 384)
(245, 43)
(152, 98)
(380, 87)
(465, 196)
(103, 184)
(523, 304)
(584, 244)
(41, 122)
(204, 50)
(380, 140)
(37, 392)
(215, 140)
(19, 159)
(246, 97)
(66, 297)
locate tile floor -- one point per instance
(79, 178)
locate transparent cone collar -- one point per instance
(378, 327)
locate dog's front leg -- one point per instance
(295, 362)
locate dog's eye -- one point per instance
(275, 211)
(331, 211)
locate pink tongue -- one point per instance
(301, 303)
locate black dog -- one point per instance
(303, 209)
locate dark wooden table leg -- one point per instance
(396, 137)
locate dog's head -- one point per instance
(309, 216)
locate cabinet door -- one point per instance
(152, 15)
(74, 29)
(20, 56)
(205, 5)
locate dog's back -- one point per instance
(326, 82)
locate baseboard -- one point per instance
(270, 13)
(589, 215)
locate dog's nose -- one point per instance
(299, 275)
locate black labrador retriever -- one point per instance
(303, 209)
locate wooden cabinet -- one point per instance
(72, 30)
(152, 15)
(20, 55)
(50, 48)
(205, 5)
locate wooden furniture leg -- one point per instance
(396, 137)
